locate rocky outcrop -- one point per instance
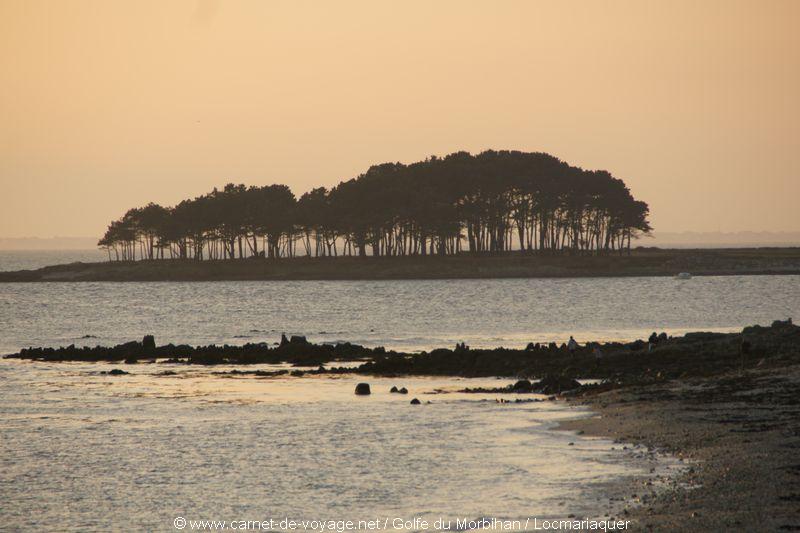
(522, 385)
(694, 354)
(148, 343)
(555, 385)
(548, 385)
(298, 352)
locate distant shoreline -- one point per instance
(641, 262)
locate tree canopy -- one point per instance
(494, 201)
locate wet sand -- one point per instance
(740, 432)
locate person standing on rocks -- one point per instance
(572, 345)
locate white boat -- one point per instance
(683, 275)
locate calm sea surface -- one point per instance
(404, 315)
(80, 450)
(33, 259)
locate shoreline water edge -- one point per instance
(594, 485)
(740, 434)
(726, 404)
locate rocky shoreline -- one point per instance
(295, 350)
(657, 359)
(728, 403)
(741, 432)
(641, 262)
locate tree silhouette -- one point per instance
(494, 201)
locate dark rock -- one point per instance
(403, 390)
(415, 402)
(393, 389)
(362, 389)
(555, 385)
(131, 360)
(149, 343)
(298, 339)
(637, 344)
(522, 385)
(116, 372)
(746, 347)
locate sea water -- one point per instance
(83, 450)
(410, 315)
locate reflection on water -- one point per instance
(404, 315)
(87, 450)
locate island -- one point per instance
(513, 264)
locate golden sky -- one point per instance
(106, 105)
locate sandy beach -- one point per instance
(741, 433)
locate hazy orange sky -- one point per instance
(107, 105)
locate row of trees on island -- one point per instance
(494, 201)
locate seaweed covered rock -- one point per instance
(782, 323)
(362, 389)
(522, 385)
(298, 353)
(149, 343)
(555, 384)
